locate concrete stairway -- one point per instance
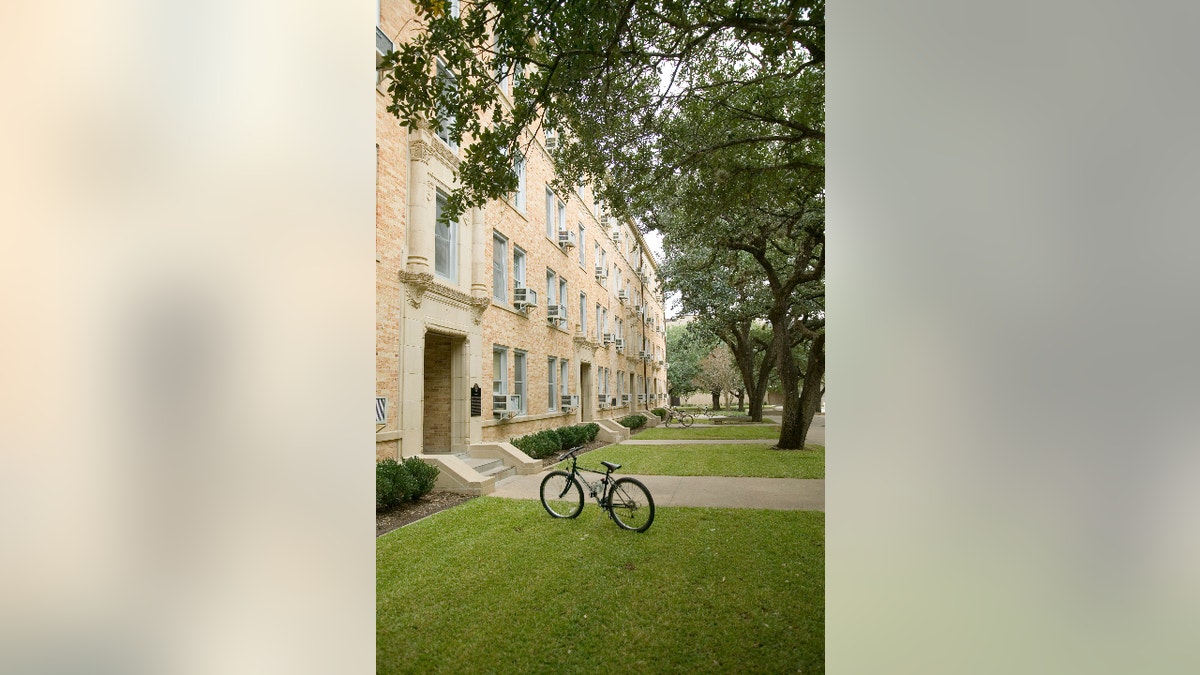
(486, 466)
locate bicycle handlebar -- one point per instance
(570, 452)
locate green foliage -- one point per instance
(632, 421)
(685, 347)
(424, 476)
(394, 483)
(661, 412)
(549, 441)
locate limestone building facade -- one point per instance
(535, 311)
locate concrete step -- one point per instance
(488, 466)
(500, 472)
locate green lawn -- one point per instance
(497, 585)
(770, 432)
(712, 460)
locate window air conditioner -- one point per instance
(566, 239)
(641, 398)
(601, 273)
(622, 295)
(608, 338)
(524, 298)
(620, 344)
(570, 401)
(625, 398)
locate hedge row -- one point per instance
(661, 412)
(632, 421)
(397, 482)
(549, 441)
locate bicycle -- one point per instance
(627, 501)
(673, 415)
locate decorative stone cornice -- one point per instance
(421, 283)
(423, 151)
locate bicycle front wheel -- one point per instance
(631, 505)
(686, 419)
(561, 495)
(668, 419)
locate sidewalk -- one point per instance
(781, 494)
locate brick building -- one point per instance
(540, 307)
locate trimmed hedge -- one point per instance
(661, 412)
(549, 441)
(397, 482)
(632, 421)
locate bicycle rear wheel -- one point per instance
(686, 420)
(631, 505)
(561, 495)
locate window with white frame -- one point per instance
(556, 215)
(519, 379)
(582, 246)
(499, 268)
(564, 370)
(583, 309)
(446, 115)
(552, 384)
(562, 298)
(519, 168)
(445, 245)
(599, 322)
(518, 268)
(620, 385)
(499, 370)
(551, 287)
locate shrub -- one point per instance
(539, 444)
(393, 484)
(661, 412)
(549, 441)
(632, 421)
(423, 476)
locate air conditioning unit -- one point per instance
(644, 277)
(606, 221)
(551, 140)
(608, 338)
(641, 398)
(662, 363)
(622, 295)
(620, 344)
(645, 356)
(616, 236)
(625, 399)
(505, 407)
(556, 312)
(570, 401)
(524, 298)
(602, 399)
(601, 273)
(566, 239)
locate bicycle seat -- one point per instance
(611, 466)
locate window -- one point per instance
(518, 268)
(620, 385)
(562, 297)
(499, 268)
(550, 200)
(445, 246)
(582, 246)
(562, 218)
(499, 371)
(519, 380)
(563, 380)
(551, 287)
(583, 308)
(599, 322)
(519, 198)
(446, 116)
(552, 384)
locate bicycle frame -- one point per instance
(604, 483)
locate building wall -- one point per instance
(412, 168)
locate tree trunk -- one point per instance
(792, 429)
(741, 400)
(810, 395)
(716, 397)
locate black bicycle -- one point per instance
(627, 501)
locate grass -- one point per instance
(712, 460)
(497, 585)
(770, 432)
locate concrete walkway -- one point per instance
(732, 441)
(781, 494)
